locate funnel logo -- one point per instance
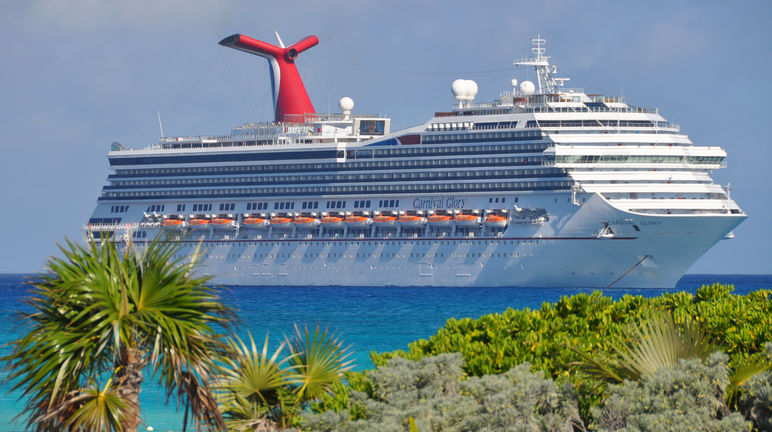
(291, 101)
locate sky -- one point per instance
(78, 75)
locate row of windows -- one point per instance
(413, 151)
(339, 178)
(119, 209)
(388, 203)
(494, 125)
(227, 206)
(257, 206)
(347, 166)
(639, 159)
(309, 205)
(480, 137)
(392, 151)
(336, 204)
(340, 190)
(202, 207)
(503, 200)
(156, 208)
(104, 221)
(283, 205)
(593, 123)
(362, 204)
(591, 107)
(139, 234)
(180, 207)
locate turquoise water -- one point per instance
(369, 319)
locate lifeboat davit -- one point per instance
(332, 222)
(306, 223)
(173, 223)
(354, 221)
(411, 221)
(496, 221)
(254, 223)
(466, 221)
(385, 221)
(199, 223)
(223, 223)
(280, 222)
(439, 221)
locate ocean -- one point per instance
(369, 319)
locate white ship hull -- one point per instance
(566, 252)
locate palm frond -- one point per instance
(253, 375)
(649, 344)
(99, 411)
(319, 361)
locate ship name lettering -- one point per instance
(453, 202)
(439, 203)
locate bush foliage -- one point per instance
(550, 338)
(433, 393)
(687, 397)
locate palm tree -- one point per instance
(101, 315)
(258, 392)
(654, 342)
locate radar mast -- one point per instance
(548, 82)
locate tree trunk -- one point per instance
(128, 380)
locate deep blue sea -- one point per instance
(368, 319)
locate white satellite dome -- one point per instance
(459, 88)
(472, 89)
(464, 90)
(346, 104)
(527, 88)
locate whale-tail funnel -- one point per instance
(290, 99)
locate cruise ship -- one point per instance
(546, 186)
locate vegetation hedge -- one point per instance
(550, 337)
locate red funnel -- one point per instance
(290, 102)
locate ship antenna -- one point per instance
(160, 125)
(281, 43)
(548, 82)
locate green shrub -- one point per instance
(591, 323)
(432, 392)
(687, 397)
(756, 399)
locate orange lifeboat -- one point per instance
(355, 221)
(199, 223)
(173, 223)
(332, 222)
(280, 222)
(439, 221)
(496, 221)
(466, 221)
(254, 223)
(304, 222)
(411, 221)
(385, 220)
(223, 223)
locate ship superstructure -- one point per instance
(546, 186)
